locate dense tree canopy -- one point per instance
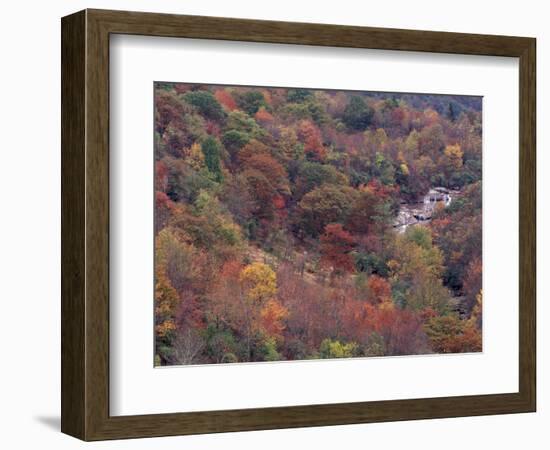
(275, 213)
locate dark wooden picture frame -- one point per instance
(85, 224)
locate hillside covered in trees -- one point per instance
(275, 224)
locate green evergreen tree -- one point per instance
(357, 115)
(211, 149)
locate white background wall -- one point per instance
(30, 222)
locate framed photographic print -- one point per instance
(270, 225)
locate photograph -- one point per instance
(306, 224)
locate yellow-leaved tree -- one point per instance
(259, 281)
(259, 285)
(454, 155)
(194, 156)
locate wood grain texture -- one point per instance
(527, 223)
(151, 24)
(85, 224)
(73, 226)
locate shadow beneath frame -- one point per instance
(51, 422)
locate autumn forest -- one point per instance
(296, 224)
